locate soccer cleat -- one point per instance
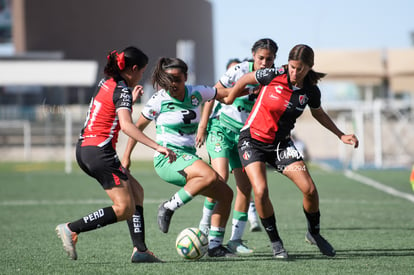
(220, 251)
(68, 238)
(164, 218)
(238, 247)
(279, 251)
(255, 227)
(324, 246)
(144, 257)
(205, 228)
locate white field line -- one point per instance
(378, 185)
(77, 202)
(65, 202)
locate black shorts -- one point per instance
(101, 163)
(279, 154)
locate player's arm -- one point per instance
(322, 117)
(135, 132)
(228, 95)
(202, 126)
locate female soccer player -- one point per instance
(265, 137)
(176, 111)
(109, 111)
(223, 136)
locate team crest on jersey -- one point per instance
(194, 100)
(281, 70)
(187, 157)
(217, 147)
(303, 99)
(246, 155)
(152, 112)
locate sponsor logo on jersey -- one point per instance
(262, 73)
(287, 153)
(125, 95)
(273, 96)
(245, 144)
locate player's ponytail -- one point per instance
(118, 62)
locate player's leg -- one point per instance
(298, 173)
(136, 225)
(256, 172)
(240, 214)
(218, 154)
(121, 209)
(202, 179)
(108, 171)
(205, 221)
(252, 216)
(220, 165)
(222, 193)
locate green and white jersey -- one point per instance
(235, 115)
(177, 121)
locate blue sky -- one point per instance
(351, 24)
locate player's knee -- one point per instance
(261, 194)
(224, 193)
(124, 211)
(310, 192)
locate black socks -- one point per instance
(269, 225)
(137, 229)
(313, 222)
(97, 219)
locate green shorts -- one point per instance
(222, 143)
(174, 172)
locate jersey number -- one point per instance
(95, 110)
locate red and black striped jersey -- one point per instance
(102, 126)
(279, 105)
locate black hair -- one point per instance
(162, 79)
(265, 43)
(118, 62)
(232, 60)
(305, 54)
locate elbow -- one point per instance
(227, 100)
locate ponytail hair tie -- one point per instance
(120, 60)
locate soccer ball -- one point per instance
(191, 243)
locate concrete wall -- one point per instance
(90, 29)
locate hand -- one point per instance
(168, 153)
(126, 163)
(137, 92)
(350, 139)
(200, 137)
(255, 90)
